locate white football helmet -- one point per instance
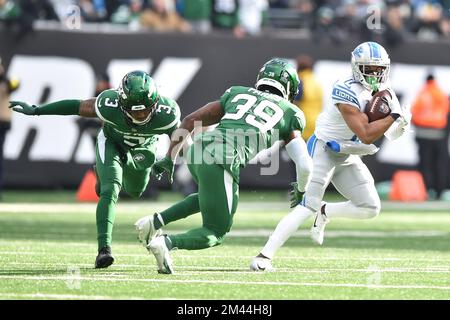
(365, 57)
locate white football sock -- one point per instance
(285, 228)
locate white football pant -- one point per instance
(351, 178)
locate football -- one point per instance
(378, 107)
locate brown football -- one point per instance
(378, 107)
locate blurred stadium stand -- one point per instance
(394, 20)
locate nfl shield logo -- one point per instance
(139, 157)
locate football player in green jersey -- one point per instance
(133, 116)
(249, 120)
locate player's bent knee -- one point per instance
(370, 212)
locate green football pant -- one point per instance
(217, 200)
(113, 173)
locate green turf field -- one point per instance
(47, 251)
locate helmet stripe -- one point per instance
(375, 50)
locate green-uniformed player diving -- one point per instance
(133, 116)
(249, 120)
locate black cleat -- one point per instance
(104, 258)
(97, 182)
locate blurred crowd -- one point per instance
(326, 20)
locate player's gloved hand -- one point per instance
(403, 112)
(296, 195)
(161, 166)
(25, 108)
(406, 116)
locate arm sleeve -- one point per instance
(63, 107)
(298, 152)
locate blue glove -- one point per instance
(334, 146)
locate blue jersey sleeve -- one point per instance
(343, 93)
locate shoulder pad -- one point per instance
(343, 92)
(107, 104)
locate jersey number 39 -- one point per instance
(259, 117)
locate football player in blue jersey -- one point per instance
(343, 133)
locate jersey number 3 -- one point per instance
(259, 117)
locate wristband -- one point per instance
(395, 116)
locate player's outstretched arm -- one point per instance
(358, 122)
(84, 108)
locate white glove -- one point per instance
(397, 129)
(394, 104)
(407, 115)
(403, 111)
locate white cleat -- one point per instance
(159, 249)
(261, 264)
(146, 230)
(318, 228)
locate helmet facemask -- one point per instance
(128, 111)
(374, 75)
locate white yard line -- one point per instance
(227, 282)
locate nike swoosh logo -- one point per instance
(315, 222)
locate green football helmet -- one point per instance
(138, 97)
(281, 75)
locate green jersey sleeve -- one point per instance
(298, 121)
(167, 116)
(106, 106)
(225, 98)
